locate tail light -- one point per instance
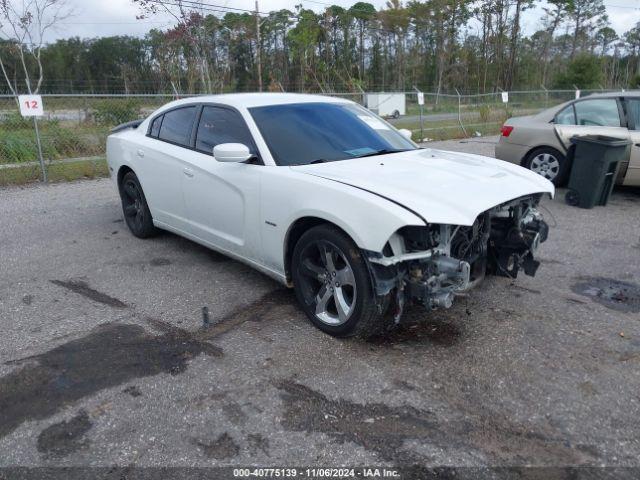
(506, 130)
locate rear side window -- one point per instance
(155, 127)
(176, 126)
(600, 113)
(221, 125)
(566, 116)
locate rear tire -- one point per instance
(135, 208)
(333, 285)
(549, 163)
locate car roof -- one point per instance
(250, 100)
(619, 93)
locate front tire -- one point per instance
(549, 163)
(333, 285)
(135, 208)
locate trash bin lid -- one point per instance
(601, 140)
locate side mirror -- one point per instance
(231, 152)
(406, 133)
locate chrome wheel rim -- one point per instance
(327, 282)
(132, 202)
(546, 164)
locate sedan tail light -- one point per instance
(506, 130)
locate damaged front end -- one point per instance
(430, 265)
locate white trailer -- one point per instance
(387, 104)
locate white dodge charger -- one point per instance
(329, 199)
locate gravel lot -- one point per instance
(104, 359)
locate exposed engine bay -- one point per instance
(431, 265)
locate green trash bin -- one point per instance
(596, 159)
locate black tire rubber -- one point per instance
(368, 317)
(145, 228)
(396, 114)
(565, 168)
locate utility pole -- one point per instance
(258, 59)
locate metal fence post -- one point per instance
(39, 144)
(460, 114)
(546, 96)
(421, 115)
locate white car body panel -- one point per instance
(441, 187)
(246, 211)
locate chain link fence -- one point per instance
(74, 128)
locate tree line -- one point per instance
(434, 45)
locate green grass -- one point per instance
(18, 145)
(57, 172)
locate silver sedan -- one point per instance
(541, 142)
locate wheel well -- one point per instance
(539, 147)
(122, 172)
(296, 231)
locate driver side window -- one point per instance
(601, 112)
(221, 125)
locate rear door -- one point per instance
(222, 199)
(591, 116)
(631, 174)
(159, 164)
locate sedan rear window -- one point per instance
(176, 126)
(566, 116)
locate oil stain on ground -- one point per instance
(374, 426)
(614, 294)
(82, 288)
(61, 439)
(384, 429)
(110, 355)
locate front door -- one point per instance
(632, 174)
(222, 199)
(598, 116)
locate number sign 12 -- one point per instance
(31, 105)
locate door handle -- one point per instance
(140, 153)
(188, 172)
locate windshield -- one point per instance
(303, 133)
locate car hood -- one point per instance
(440, 186)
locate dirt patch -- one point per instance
(439, 333)
(61, 439)
(614, 294)
(258, 443)
(234, 413)
(588, 389)
(515, 286)
(405, 386)
(133, 390)
(82, 288)
(384, 429)
(110, 355)
(222, 448)
(159, 262)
